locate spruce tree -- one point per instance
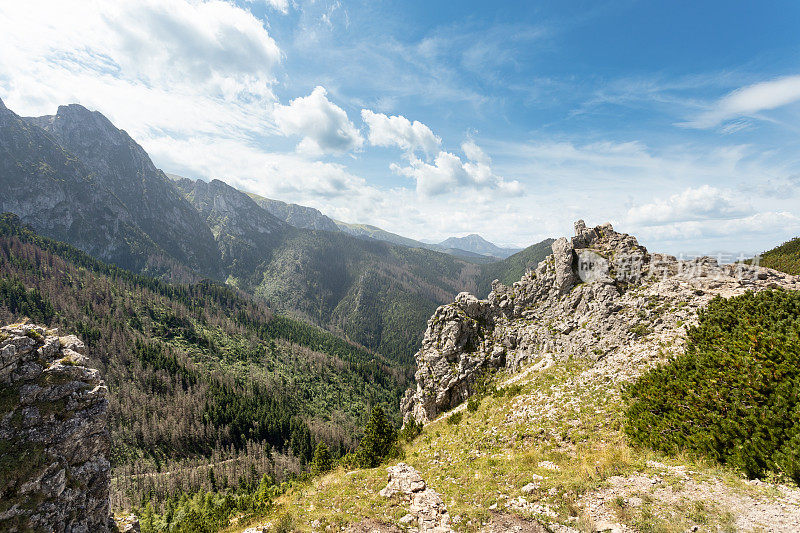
(322, 461)
(379, 440)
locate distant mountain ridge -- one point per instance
(295, 215)
(476, 244)
(75, 177)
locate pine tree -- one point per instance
(379, 440)
(322, 461)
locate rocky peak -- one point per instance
(55, 472)
(122, 168)
(295, 215)
(599, 295)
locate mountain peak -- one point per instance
(76, 113)
(476, 244)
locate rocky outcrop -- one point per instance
(599, 295)
(54, 443)
(295, 215)
(425, 504)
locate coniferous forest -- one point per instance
(208, 388)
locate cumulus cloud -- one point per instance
(749, 101)
(275, 175)
(692, 204)
(176, 65)
(323, 126)
(398, 131)
(708, 214)
(448, 172)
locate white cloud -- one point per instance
(449, 173)
(278, 5)
(323, 126)
(178, 65)
(692, 204)
(399, 131)
(737, 230)
(275, 175)
(749, 101)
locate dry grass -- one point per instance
(565, 436)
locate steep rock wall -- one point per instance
(54, 442)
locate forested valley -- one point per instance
(208, 387)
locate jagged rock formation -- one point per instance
(425, 504)
(244, 232)
(599, 295)
(54, 443)
(295, 215)
(122, 167)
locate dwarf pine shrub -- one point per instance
(734, 395)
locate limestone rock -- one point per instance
(55, 474)
(424, 503)
(600, 295)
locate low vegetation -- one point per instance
(734, 395)
(785, 257)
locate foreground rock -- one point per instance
(600, 295)
(54, 443)
(425, 505)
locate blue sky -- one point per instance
(677, 121)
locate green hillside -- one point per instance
(196, 371)
(785, 257)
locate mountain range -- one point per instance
(75, 177)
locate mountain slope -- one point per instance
(75, 177)
(478, 245)
(122, 167)
(785, 257)
(523, 399)
(51, 189)
(372, 232)
(295, 215)
(244, 233)
(195, 370)
(377, 294)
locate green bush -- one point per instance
(322, 461)
(734, 394)
(410, 431)
(473, 404)
(455, 418)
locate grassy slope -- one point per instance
(378, 294)
(488, 457)
(785, 257)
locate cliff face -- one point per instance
(54, 443)
(600, 295)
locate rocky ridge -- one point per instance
(600, 295)
(54, 442)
